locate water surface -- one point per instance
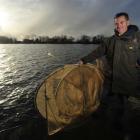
(22, 68)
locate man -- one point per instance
(122, 51)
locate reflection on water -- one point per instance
(3, 66)
(22, 69)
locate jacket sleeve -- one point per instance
(138, 51)
(98, 52)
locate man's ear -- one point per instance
(128, 22)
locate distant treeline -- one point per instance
(64, 39)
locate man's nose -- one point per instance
(119, 25)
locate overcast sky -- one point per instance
(57, 17)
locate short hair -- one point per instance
(122, 14)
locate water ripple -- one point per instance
(22, 69)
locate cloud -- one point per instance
(71, 17)
(0, 30)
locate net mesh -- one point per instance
(69, 95)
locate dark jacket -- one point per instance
(122, 53)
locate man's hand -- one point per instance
(80, 62)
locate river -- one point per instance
(22, 68)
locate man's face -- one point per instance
(121, 24)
